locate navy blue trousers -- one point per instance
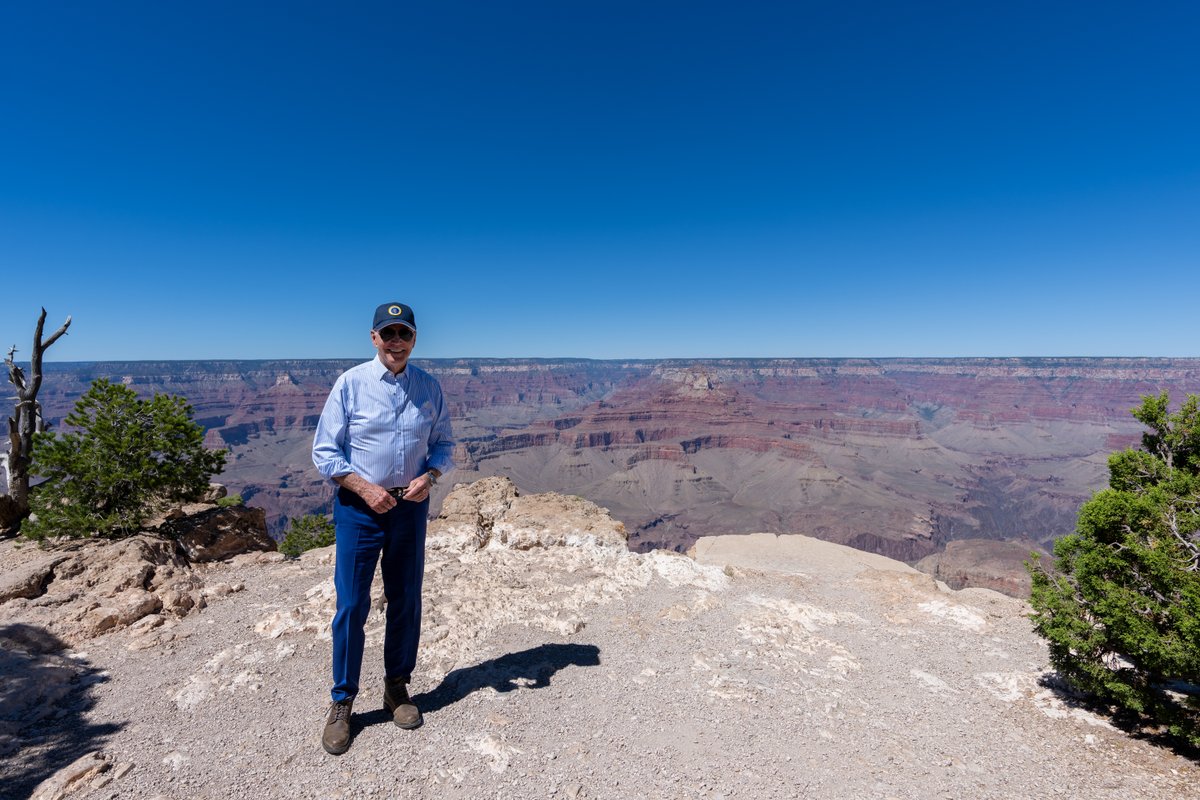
(362, 538)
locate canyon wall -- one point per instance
(895, 456)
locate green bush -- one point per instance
(124, 455)
(1120, 609)
(230, 500)
(306, 533)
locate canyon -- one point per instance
(898, 457)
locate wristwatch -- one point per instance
(432, 477)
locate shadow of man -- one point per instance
(528, 669)
(44, 696)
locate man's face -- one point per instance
(393, 346)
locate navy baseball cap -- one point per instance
(394, 314)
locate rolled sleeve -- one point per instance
(327, 452)
(441, 439)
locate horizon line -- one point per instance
(619, 359)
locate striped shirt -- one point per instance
(389, 429)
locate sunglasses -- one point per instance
(396, 332)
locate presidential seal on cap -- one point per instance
(394, 314)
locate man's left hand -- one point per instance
(419, 488)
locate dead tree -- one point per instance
(26, 420)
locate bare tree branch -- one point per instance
(1187, 540)
(26, 420)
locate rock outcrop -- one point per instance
(983, 564)
(492, 513)
(215, 534)
(83, 588)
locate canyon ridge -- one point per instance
(963, 466)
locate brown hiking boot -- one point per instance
(404, 711)
(336, 737)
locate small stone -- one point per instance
(70, 777)
(147, 623)
(215, 492)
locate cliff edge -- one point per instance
(555, 663)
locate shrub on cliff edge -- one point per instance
(124, 454)
(306, 533)
(1121, 607)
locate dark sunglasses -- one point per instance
(396, 331)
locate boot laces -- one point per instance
(341, 712)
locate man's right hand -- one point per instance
(375, 496)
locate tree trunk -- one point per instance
(26, 420)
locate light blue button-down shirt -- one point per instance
(387, 428)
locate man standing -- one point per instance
(384, 438)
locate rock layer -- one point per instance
(898, 456)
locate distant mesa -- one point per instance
(983, 564)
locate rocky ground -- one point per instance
(556, 663)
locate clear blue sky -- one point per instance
(603, 179)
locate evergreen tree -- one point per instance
(125, 454)
(1121, 608)
(306, 533)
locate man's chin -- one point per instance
(397, 361)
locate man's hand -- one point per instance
(375, 495)
(419, 488)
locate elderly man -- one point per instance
(384, 438)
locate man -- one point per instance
(384, 438)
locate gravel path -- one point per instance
(583, 672)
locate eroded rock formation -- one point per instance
(83, 588)
(983, 564)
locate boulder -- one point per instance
(493, 513)
(470, 512)
(215, 492)
(217, 534)
(555, 520)
(125, 609)
(29, 580)
(71, 778)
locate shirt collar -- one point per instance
(382, 373)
